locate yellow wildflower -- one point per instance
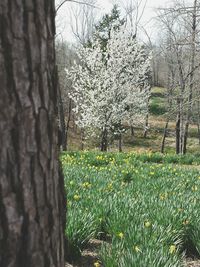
(147, 224)
(186, 222)
(97, 264)
(172, 249)
(194, 188)
(137, 249)
(76, 197)
(121, 235)
(86, 185)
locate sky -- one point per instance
(63, 18)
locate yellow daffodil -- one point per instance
(137, 249)
(147, 224)
(172, 249)
(97, 264)
(77, 197)
(194, 188)
(186, 222)
(120, 235)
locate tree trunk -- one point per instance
(193, 49)
(198, 128)
(82, 139)
(104, 140)
(62, 120)
(146, 126)
(132, 131)
(120, 142)
(164, 137)
(68, 122)
(32, 203)
(178, 124)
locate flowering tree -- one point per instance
(111, 86)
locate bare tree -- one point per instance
(133, 11)
(65, 57)
(83, 19)
(182, 25)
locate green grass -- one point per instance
(148, 213)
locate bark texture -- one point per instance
(31, 189)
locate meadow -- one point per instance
(144, 206)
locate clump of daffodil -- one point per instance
(77, 197)
(97, 264)
(137, 249)
(120, 235)
(110, 186)
(86, 185)
(163, 196)
(194, 188)
(172, 249)
(186, 222)
(147, 224)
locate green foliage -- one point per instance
(104, 27)
(146, 209)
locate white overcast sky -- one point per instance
(63, 22)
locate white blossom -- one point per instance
(111, 87)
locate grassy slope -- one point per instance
(148, 213)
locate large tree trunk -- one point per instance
(32, 201)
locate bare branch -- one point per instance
(73, 1)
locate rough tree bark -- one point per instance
(31, 190)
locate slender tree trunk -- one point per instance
(178, 124)
(82, 139)
(164, 136)
(132, 131)
(104, 140)
(32, 204)
(120, 142)
(62, 120)
(198, 128)
(189, 111)
(146, 126)
(68, 121)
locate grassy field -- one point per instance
(143, 206)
